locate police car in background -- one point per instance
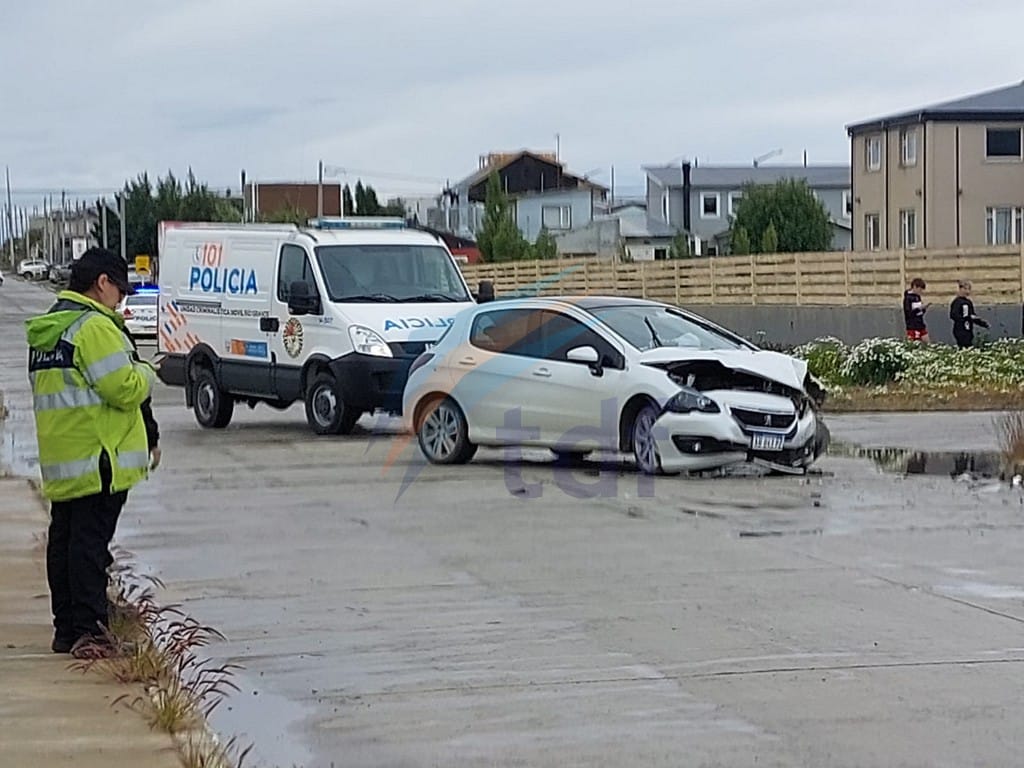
(140, 311)
(332, 314)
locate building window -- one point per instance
(661, 254)
(873, 153)
(1003, 226)
(908, 228)
(734, 201)
(848, 203)
(556, 216)
(1003, 143)
(908, 147)
(872, 232)
(709, 203)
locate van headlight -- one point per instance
(690, 400)
(367, 341)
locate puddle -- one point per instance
(978, 464)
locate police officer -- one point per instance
(88, 389)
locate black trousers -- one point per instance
(77, 559)
(964, 339)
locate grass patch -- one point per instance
(891, 399)
(157, 648)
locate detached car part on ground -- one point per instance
(577, 375)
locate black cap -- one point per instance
(100, 261)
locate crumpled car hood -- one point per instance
(775, 366)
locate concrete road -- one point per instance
(508, 614)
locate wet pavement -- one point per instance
(393, 614)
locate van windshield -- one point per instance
(387, 273)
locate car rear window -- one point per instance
(142, 301)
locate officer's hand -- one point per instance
(154, 457)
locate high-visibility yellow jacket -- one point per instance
(87, 386)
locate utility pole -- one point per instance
(10, 218)
(320, 191)
(124, 232)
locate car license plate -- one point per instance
(763, 442)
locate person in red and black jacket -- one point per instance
(914, 309)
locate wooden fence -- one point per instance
(837, 278)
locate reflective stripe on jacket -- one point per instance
(87, 391)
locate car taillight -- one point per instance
(127, 313)
(420, 361)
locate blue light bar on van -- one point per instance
(146, 289)
(359, 222)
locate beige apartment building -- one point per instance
(944, 176)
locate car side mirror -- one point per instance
(587, 355)
(485, 292)
(302, 300)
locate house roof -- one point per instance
(734, 177)
(1005, 103)
(635, 223)
(500, 160)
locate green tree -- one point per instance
(395, 207)
(348, 206)
(680, 248)
(545, 246)
(800, 220)
(740, 241)
(288, 215)
(770, 239)
(500, 238)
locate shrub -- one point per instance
(825, 358)
(875, 362)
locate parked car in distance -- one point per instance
(34, 269)
(140, 313)
(576, 375)
(60, 274)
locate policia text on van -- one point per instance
(332, 314)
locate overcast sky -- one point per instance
(420, 90)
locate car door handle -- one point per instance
(544, 373)
(269, 324)
(467, 362)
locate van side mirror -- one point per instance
(302, 300)
(485, 292)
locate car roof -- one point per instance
(585, 303)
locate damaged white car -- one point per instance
(578, 375)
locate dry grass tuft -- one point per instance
(1010, 431)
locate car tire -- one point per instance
(443, 433)
(645, 449)
(326, 410)
(27, 275)
(213, 406)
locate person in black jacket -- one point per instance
(913, 311)
(961, 312)
(152, 428)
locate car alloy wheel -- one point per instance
(443, 433)
(645, 449)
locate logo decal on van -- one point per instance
(291, 336)
(417, 322)
(210, 276)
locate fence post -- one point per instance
(753, 280)
(846, 265)
(799, 280)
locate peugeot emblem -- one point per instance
(768, 420)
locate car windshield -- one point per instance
(648, 327)
(387, 273)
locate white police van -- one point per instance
(332, 314)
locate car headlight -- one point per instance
(689, 400)
(367, 341)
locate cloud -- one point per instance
(422, 90)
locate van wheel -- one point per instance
(212, 405)
(443, 433)
(326, 412)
